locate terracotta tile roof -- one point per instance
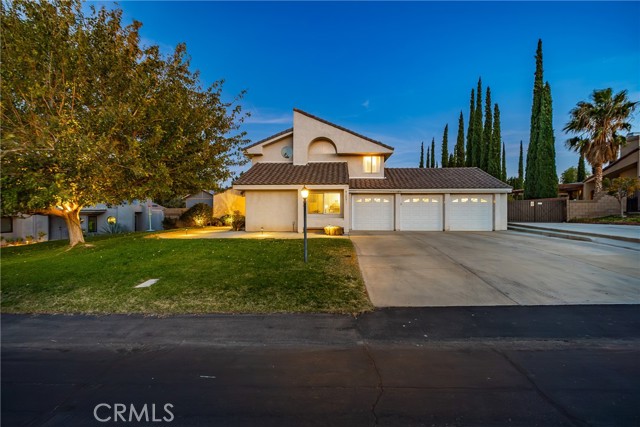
(429, 178)
(327, 173)
(343, 129)
(268, 138)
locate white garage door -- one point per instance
(372, 212)
(471, 212)
(421, 212)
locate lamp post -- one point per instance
(149, 210)
(304, 193)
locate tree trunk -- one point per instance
(72, 219)
(622, 203)
(597, 171)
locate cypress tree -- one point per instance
(547, 177)
(495, 145)
(433, 152)
(428, 158)
(531, 175)
(452, 161)
(582, 172)
(520, 169)
(486, 149)
(445, 147)
(421, 165)
(503, 176)
(477, 127)
(468, 161)
(459, 150)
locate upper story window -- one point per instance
(372, 164)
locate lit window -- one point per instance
(407, 200)
(367, 200)
(324, 203)
(372, 164)
(474, 200)
(425, 200)
(416, 199)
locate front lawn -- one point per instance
(612, 219)
(196, 276)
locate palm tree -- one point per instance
(597, 124)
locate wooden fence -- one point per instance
(540, 210)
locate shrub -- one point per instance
(169, 223)
(226, 219)
(198, 215)
(114, 228)
(216, 222)
(41, 235)
(28, 238)
(237, 221)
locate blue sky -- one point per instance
(398, 72)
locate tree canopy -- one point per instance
(597, 124)
(90, 115)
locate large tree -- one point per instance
(477, 127)
(520, 183)
(582, 170)
(459, 150)
(421, 164)
(541, 176)
(495, 145)
(597, 124)
(503, 169)
(569, 175)
(433, 152)
(444, 160)
(469, 154)
(91, 116)
(485, 149)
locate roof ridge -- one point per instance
(268, 138)
(343, 128)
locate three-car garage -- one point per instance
(422, 212)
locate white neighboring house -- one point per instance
(132, 216)
(351, 187)
(203, 196)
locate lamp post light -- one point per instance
(304, 193)
(149, 210)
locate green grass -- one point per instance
(612, 219)
(196, 276)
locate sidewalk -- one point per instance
(629, 233)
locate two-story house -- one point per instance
(350, 186)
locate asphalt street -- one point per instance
(483, 366)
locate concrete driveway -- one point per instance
(414, 269)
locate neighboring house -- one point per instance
(571, 191)
(627, 165)
(204, 196)
(93, 220)
(351, 187)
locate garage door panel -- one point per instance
(373, 212)
(421, 212)
(471, 212)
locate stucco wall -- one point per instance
(227, 203)
(271, 210)
(272, 152)
(201, 197)
(308, 130)
(601, 205)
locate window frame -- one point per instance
(89, 222)
(323, 194)
(371, 164)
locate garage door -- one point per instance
(471, 212)
(372, 212)
(421, 212)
